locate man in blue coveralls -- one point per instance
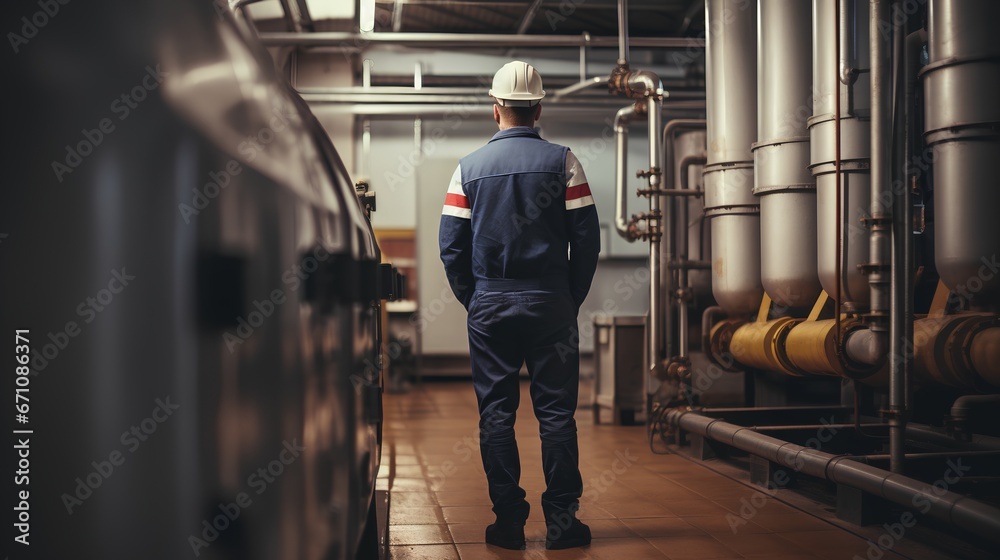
(519, 240)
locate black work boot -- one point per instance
(563, 535)
(508, 530)
(506, 535)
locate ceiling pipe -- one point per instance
(360, 41)
(623, 33)
(580, 86)
(956, 509)
(463, 110)
(696, 9)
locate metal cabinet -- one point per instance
(619, 381)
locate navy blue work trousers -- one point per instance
(508, 327)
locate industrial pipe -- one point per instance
(783, 184)
(579, 86)
(620, 125)
(961, 87)
(654, 226)
(847, 55)
(984, 353)
(964, 406)
(731, 94)
(360, 41)
(840, 140)
(623, 33)
(682, 292)
(670, 134)
(972, 515)
(901, 273)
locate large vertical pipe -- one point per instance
(851, 168)
(881, 220)
(962, 84)
(655, 288)
(782, 179)
(731, 97)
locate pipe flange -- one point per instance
(720, 338)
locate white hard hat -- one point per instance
(517, 84)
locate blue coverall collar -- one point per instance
(515, 131)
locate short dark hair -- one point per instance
(518, 116)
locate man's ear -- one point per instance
(496, 113)
(538, 111)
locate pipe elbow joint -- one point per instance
(866, 346)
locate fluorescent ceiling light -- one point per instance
(332, 9)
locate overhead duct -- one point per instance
(782, 180)
(962, 84)
(728, 176)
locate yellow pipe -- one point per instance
(985, 355)
(761, 345)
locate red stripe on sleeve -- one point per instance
(452, 199)
(578, 191)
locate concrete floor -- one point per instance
(638, 504)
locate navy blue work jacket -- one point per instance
(519, 208)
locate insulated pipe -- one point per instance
(984, 353)
(731, 107)
(782, 181)
(961, 85)
(970, 514)
(622, 117)
(840, 140)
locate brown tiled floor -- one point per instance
(660, 506)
